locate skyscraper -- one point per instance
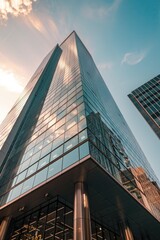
(69, 160)
(146, 99)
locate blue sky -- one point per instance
(122, 36)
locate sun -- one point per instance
(9, 81)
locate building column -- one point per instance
(82, 222)
(4, 227)
(126, 232)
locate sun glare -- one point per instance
(9, 81)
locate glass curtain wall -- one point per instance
(53, 220)
(58, 136)
(71, 117)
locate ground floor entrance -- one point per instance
(53, 220)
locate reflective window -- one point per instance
(82, 135)
(61, 115)
(60, 123)
(35, 157)
(48, 139)
(80, 107)
(71, 107)
(40, 138)
(71, 101)
(15, 192)
(84, 150)
(58, 141)
(71, 114)
(82, 124)
(43, 161)
(32, 169)
(71, 132)
(38, 147)
(81, 115)
(14, 181)
(70, 158)
(46, 149)
(56, 153)
(70, 95)
(40, 177)
(54, 168)
(71, 123)
(71, 143)
(28, 184)
(29, 153)
(51, 122)
(59, 131)
(51, 131)
(80, 100)
(21, 176)
(79, 94)
(24, 165)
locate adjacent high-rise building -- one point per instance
(146, 99)
(69, 162)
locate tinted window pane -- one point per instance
(82, 124)
(71, 143)
(71, 123)
(40, 177)
(81, 115)
(46, 150)
(43, 161)
(58, 141)
(56, 153)
(28, 184)
(82, 135)
(71, 114)
(35, 157)
(84, 150)
(21, 176)
(71, 132)
(24, 165)
(32, 169)
(16, 192)
(54, 168)
(70, 158)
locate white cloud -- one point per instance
(133, 58)
(44, 24)
(9, 81)
(105, 66)
(101, 11)
(35, 22)
(15, 7)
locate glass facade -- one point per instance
(146, 99)
(68, 118)
(57, 138)
(14, 113)
(54, 220)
